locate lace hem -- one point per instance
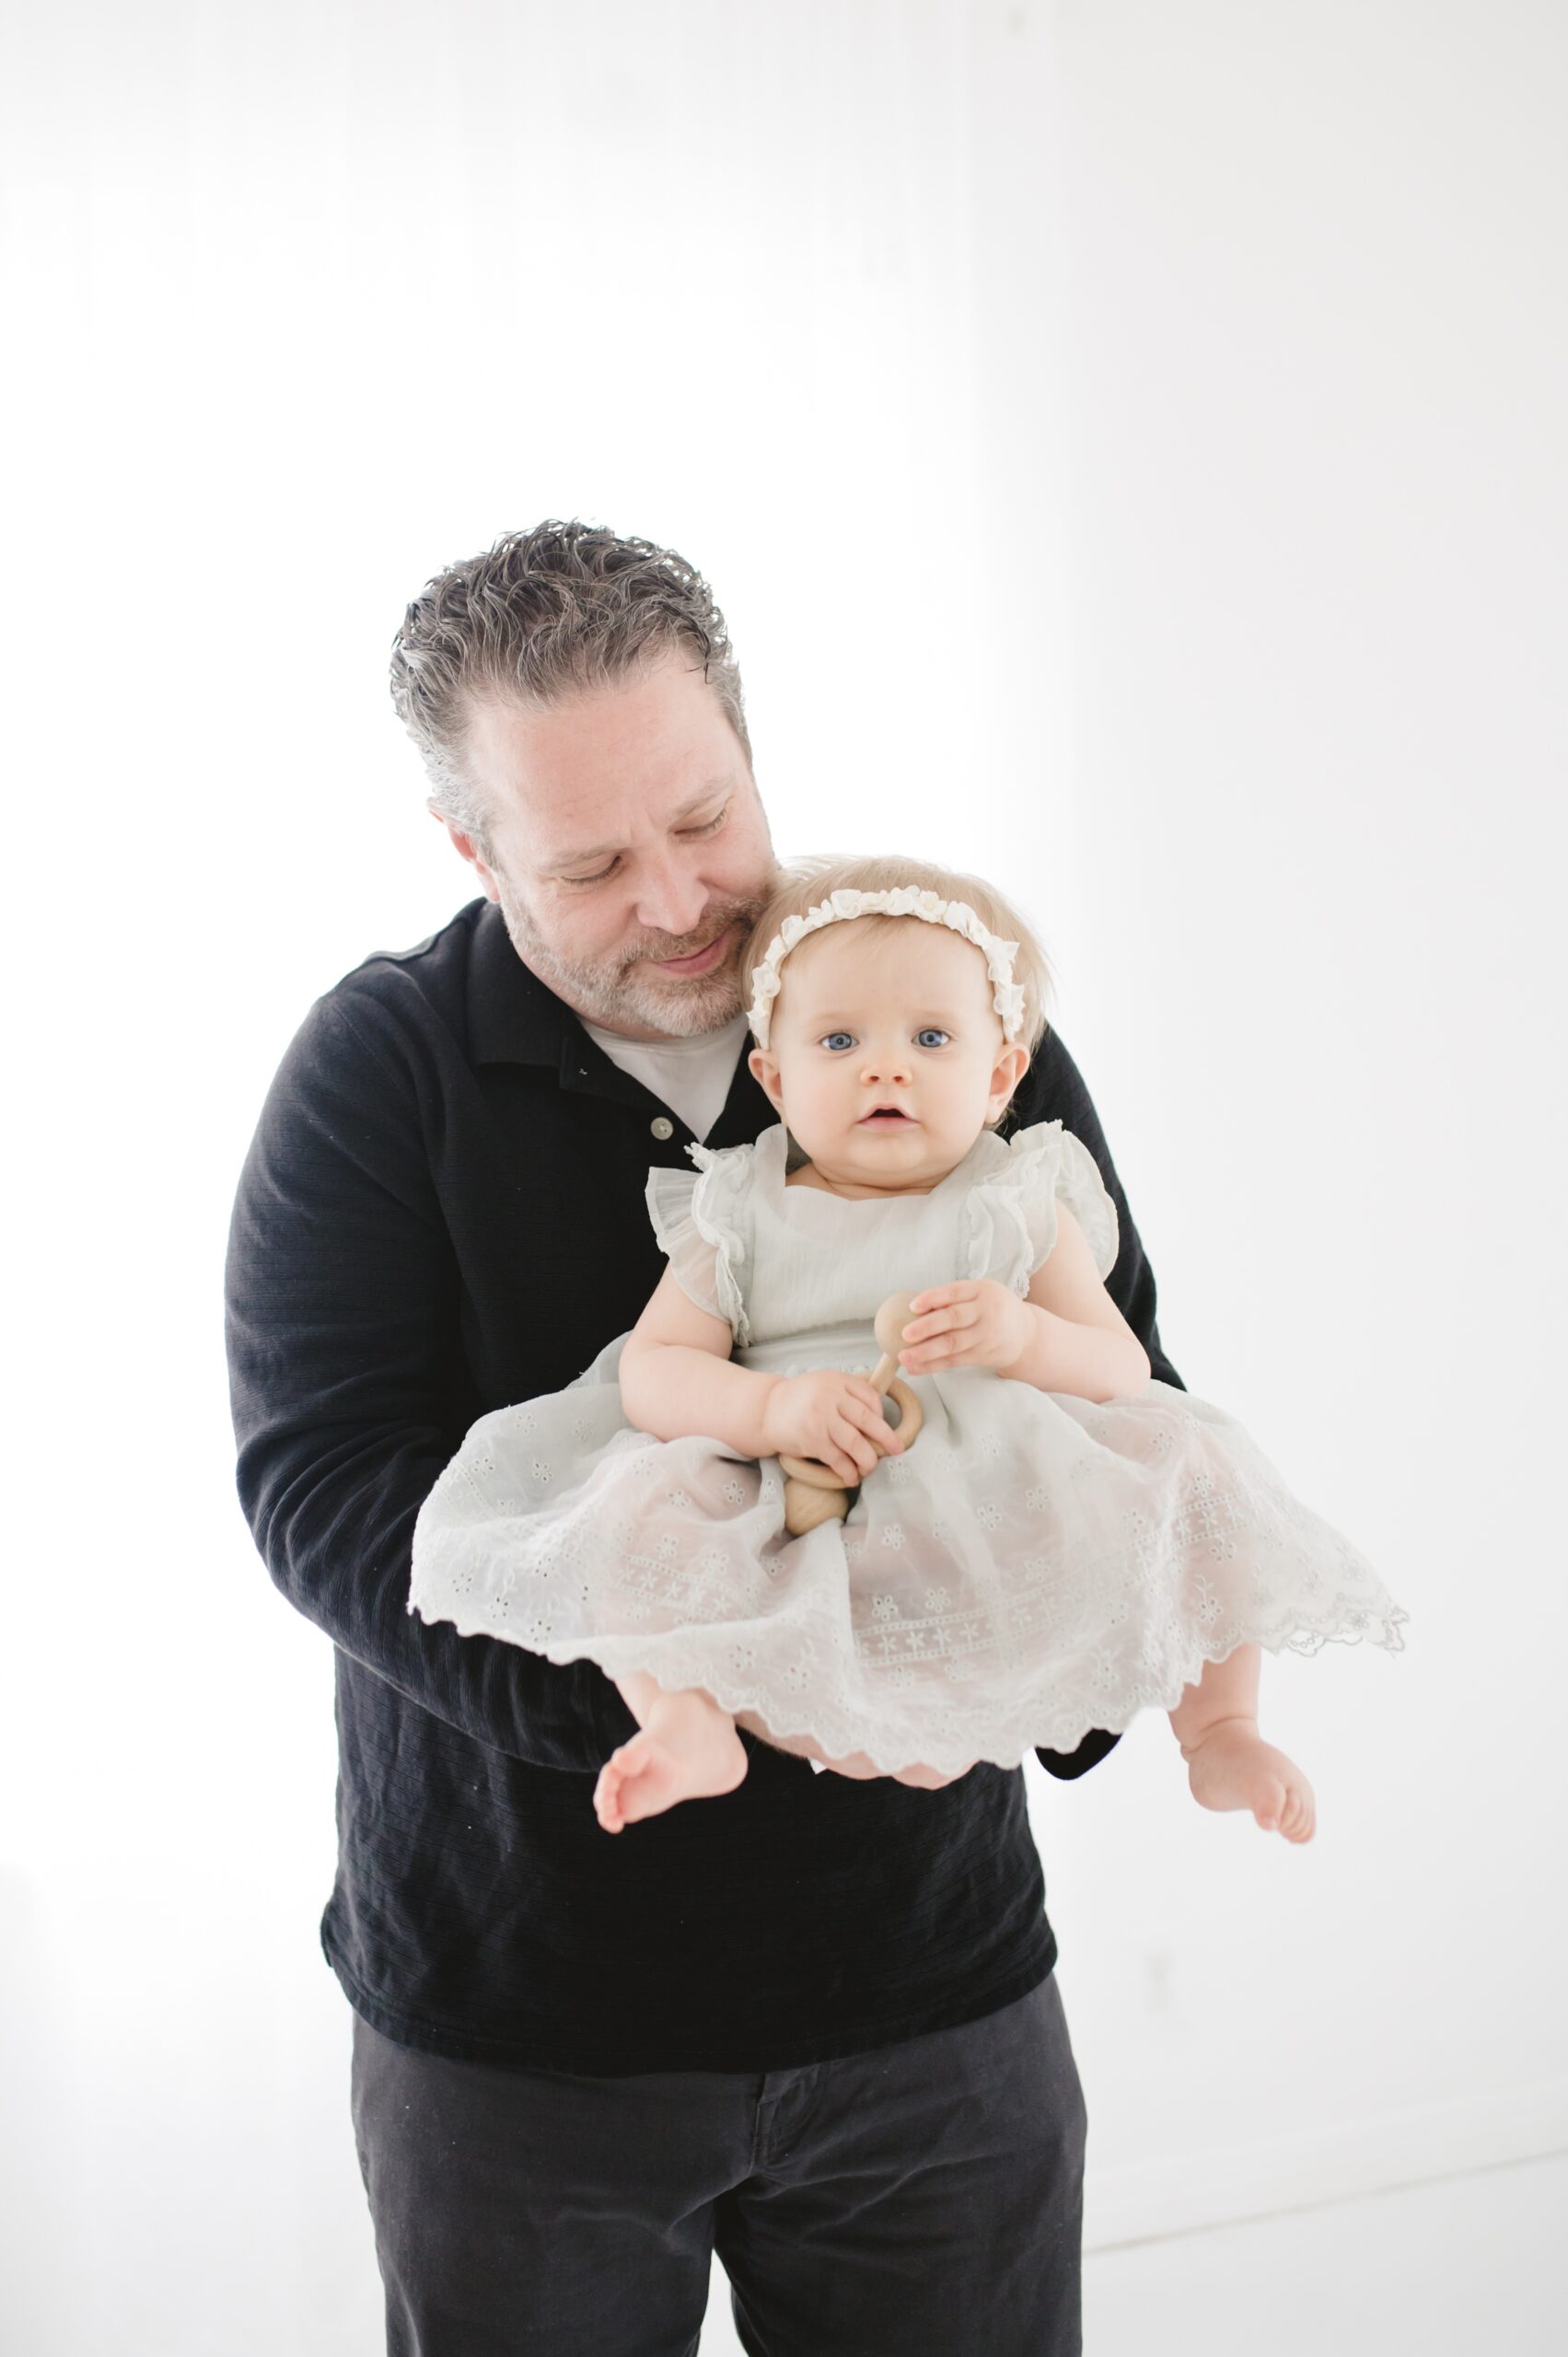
(562, 1530)
(899, 1713)
(935, 1736)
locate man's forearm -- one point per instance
(337, 1291)
(338, 1541)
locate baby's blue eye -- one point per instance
(932, 1037)
(836, 1039)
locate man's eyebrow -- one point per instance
(597, 851)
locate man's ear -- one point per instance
(1011, 1066)
(764, 1071)
(464, 846)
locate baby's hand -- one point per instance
(977, 1323)
(830, 1415)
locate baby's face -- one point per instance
(886, 1057)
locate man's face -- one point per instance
(629, 854)
(885, 1056)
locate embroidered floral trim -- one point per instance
(1045, 1639)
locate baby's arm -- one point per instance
(677, 1377)
(1066, 1334)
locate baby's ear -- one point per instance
(1011, 1066)
(764, 1071)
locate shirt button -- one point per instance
(661, 1128)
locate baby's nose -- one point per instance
(886, 1067)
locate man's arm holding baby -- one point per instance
(348, 1390)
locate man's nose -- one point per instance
(670, 897)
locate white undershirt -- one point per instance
(692, 1077)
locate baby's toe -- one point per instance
(1270, 1804)
(606, 1803)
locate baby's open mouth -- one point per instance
(883, 1113)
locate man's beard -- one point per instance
(621, 988)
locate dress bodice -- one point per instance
(818, 1260)
(786, 1263)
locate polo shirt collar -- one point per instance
(515, 1018)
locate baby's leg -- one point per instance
(1229, 1765)
(687, 1748)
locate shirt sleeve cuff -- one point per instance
(1089, 1754)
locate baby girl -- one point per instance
(1066, 1541)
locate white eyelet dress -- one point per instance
(1035, 1566)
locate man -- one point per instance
(810, 2023)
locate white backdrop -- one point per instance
(1127, 443)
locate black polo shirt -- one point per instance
(441, 1212)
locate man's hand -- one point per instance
(975, 1323)
(830, 1415)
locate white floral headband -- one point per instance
(907, 900)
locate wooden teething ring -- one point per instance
(813, 1492)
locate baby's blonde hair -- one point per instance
(807, 880)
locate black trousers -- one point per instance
(924, 2200)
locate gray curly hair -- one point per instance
(543, 615)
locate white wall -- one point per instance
(1317, 331)
(1126, 442)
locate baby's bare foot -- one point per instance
(688, 1756)
(1232, 1767)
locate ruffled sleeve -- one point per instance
(702, 1222)
(1012, 1206)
